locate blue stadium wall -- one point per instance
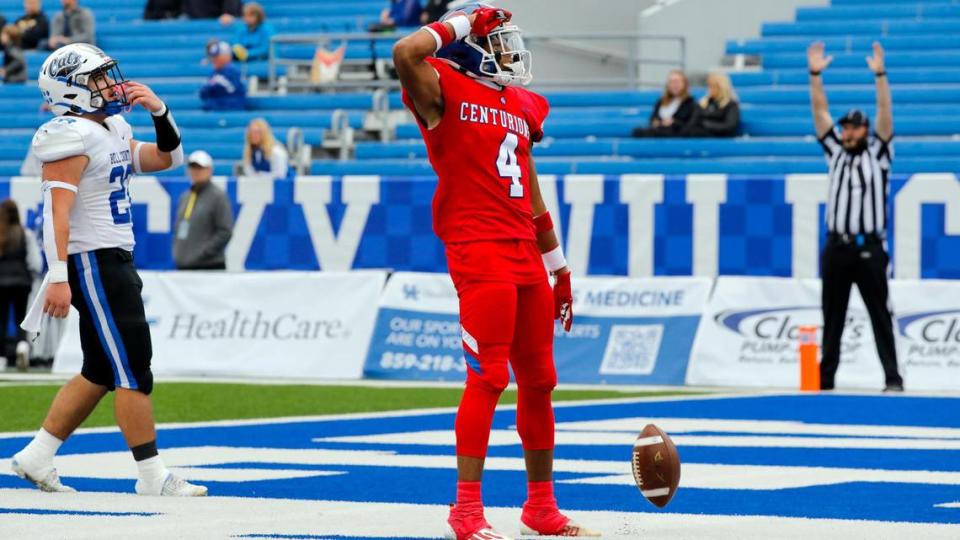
(635, 225)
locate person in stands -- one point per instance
(673, 111)
(262, 156)
(718, 113)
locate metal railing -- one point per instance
(631, 57)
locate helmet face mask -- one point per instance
(82, 79)
(505, 58)
(501, 57)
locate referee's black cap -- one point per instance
(856, 118)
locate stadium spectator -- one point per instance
(162, 9)
(673, 111)
(204, 219)
(14, 68)
(401, 13)
(33, 25)
(433, 10)
(718, 114)
(224, 10)
(19, 264)
(74, 24)
(263, 157)
(224, 90)
(251, 41)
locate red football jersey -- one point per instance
(480, 151)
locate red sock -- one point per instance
(469, 497)
(540, 511)
(540, 495)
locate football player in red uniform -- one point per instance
(462, 79)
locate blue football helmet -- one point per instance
(482, 57)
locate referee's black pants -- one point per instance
(846, 261)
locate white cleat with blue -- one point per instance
(44, 477)
(172, 486)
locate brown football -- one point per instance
(656, 465)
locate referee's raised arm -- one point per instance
(884, 122)
(817, 62)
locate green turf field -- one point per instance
(24, 406)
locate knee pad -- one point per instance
(489, 368)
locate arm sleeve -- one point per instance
(831, 143)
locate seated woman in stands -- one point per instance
(251, 41)
(673, 111)
(263, 157)
(719, 112)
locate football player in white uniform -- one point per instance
(89, 156)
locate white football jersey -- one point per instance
(101, 216)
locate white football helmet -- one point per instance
(66, 73)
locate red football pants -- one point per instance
(504, 322)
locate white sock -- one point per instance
(42, 448)
(152, 470)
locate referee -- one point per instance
(856, 217)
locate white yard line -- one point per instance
(215, 518)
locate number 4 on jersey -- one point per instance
(507, 165)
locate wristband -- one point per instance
(543, 222)
(57, 272)
(881, 74)
(440, 34)
(554, 259)
(461, 26)
(168, 135)
(815, 73)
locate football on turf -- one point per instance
(656, 465)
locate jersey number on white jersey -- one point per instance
(120, 198)
(507, 165)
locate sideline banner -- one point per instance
(256, 324)
(928, 333)
(625, 330)
(748, 336)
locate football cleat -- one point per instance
(550, 522)
(172, 486)
(464, 526)
(570, 529)
(45, 478)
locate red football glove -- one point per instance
(563, 301)
(486, 19)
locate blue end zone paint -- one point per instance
(48, 512)
(904, 502)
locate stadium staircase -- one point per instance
(588, 131)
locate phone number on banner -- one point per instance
(422, 362)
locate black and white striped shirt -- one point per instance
(859, 185)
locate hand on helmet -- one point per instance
(484, 20)
(141, 94)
